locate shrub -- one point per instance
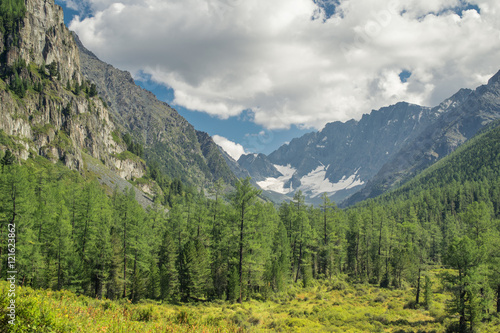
(143, 314)
(184, 317)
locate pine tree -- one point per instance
(466, 257)
(169, 282)
(17, 214)
(242, 200)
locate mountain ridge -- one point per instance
(359, 159)
(452, 129)
(180, 150)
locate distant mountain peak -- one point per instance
(494, 79)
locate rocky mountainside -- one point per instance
(480, 108)
(259, 166)
(168, 138)
(362, 159)
(343, 157)
(47, 107)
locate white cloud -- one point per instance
(71, 4)
(234, 150)
(225, 56)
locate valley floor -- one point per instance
(332, 306)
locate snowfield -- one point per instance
(278, 184)
(314, 183)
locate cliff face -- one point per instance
(46, 106)
(44, 38)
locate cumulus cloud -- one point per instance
(291, 62)
(234, 150)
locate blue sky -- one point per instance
(259, 72)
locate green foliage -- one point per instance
(11, 11)
(92, 92)
(7, 159)
(53, 69)
(116, 136)
(132, 146)
(126, 155)
(17, 84)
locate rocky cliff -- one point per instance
(47, 107)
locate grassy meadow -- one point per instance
(332, 306)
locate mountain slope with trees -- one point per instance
(168, 139)
(235, 248)
(72, 233)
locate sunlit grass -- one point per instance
(325, 307)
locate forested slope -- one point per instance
(169, 140)
(475, 164)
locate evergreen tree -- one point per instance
(466, 257)
(242, 200)
(169, 282)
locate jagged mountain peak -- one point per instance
(460, 118)
(344, 157)
(259, 166)
(494, 79)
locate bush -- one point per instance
(184, 318)
(143, 314)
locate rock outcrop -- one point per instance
(46, 107)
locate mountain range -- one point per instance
(60, 101)
(355, 160)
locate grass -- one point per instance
(322, 308)
(63, 311)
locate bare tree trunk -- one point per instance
(417, 300)
(498, 298)
(125, 256)
(240, 265)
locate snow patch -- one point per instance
(278, 184)
(316, 182)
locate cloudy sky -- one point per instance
(257, 72)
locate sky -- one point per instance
(256, 73)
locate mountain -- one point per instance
(259, 166)
(41, 112)
(480, 108)
(362, 159)
(342, 157)
(472, 165)
(168, 139)
(48, 107)
(59, 101)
